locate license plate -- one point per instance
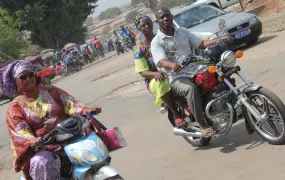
(242, 34)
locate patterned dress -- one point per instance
(26, 121)
(144, 62)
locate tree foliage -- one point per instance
(110, 13)
(89, 21)
(52, 23)
(11, 39)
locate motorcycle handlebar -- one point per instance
(47, 138)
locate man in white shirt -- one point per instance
(168, 45)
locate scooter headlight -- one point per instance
(85, 155)
(102, 147)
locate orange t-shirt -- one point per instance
(97, 43)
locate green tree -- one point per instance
(89, 21)
(52, 23)
(11, 39)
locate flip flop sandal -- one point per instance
(207, 132)
(180, 123)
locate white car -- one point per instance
(203, 19)
(218, 3)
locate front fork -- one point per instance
(242, 97)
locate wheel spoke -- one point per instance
(265, 105)
(274, 117)
(274, 128)
(259, 124)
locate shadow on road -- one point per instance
(257, 10)
(236, 138)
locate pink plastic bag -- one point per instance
(113, 139)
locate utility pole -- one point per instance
(241, 5)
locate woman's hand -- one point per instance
(94, 110)
(159, 76)
(36, 142)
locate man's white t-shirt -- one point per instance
(175, 49)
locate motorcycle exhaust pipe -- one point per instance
(181, 132)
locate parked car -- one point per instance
(46, 74)
(203, 19)
(218, 3)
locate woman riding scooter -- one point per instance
(35, 112)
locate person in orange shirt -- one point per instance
(99, 47)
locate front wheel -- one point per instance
(194, 141)
(272, 112)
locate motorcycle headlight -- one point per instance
(86, 155)
(228, 59)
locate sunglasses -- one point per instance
(26, 76)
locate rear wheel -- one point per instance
(194, 141)
(271, 127)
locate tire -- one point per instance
(46, 80)
(195, 142)
(117, 177)
(252, 42)
(278, 105)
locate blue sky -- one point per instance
(105, 4)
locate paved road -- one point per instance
(153, 152)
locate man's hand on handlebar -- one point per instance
(37, 141)
(228, 39)
(175, 67)
(94, 110)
